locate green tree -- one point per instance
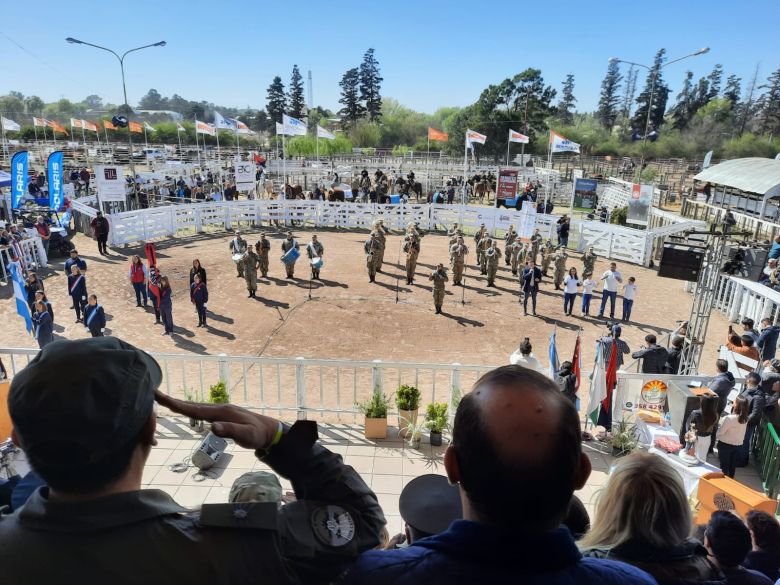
(153, 101)
(608, 101)
(370, 85)
(715, 79)
(566, 103)
(660, 95)
(178, 104)
(196, 111)
(295, 97)
(769, 104)
(365, 134)
(683, 110)
(34, 105)
(93, 101)
(628, 96)
(276, 102)
(11, 105)
(733, 90)
(353, 110)
(61, 110)
(318, 116)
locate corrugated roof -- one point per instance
(751, 175)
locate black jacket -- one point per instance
(94, 318)
(695, 418)
(653, 359)
(722, 384)
(673, 361)
(756, 402)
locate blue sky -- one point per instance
(432, 53)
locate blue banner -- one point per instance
(19, 177)
(54, 170)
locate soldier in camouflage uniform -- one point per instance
(536, 242)
(560, 267)
(371, 248)
(547, 256)
(482, 247)
(509, 239)
(412, 249)
(262, 248)
(517, 259)
(251, 262)
(481, 233)
(454, 237)
(589, 261)
(439, 277)
(381, 235)
(458, 253)
(493, 255)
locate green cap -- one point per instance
(256, 486)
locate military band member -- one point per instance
(371, 248)
(412, 249)
(482, 247)
(439, 277)
(517, 256)
(589, 260)
(251, 262)
(380, 230)
(453, 233)
(481, 233)
(536, 243)
(547, 256)
(262, 248)
(288, 244)
(314, 249)
(238, 245)
(493, 254)
(454, 237)
(458, 252)
(559, 260)
(509, 239)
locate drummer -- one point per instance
(289, 258)
(314, 251)
(238, 247)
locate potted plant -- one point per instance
(437, 421)
(375, 411)
(407, 399)
(194, 423)
(218, 394)
(413, 433)
(624, 439)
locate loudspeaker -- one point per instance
(209, 451)
(119, 121)
(681, 261)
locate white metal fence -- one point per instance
(301, 387)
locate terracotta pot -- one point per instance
(376, 428)
(404, 418)
(435, 439)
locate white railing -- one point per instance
(738, 298)
(307, 387)
(30, 251)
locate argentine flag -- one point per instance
(21, 300)
(553, 354)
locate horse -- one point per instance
(336, 195)
(293, 192)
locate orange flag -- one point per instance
(135, 127)
(57, 128)
(108, 125)
(434, 134)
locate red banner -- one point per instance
(507, 184)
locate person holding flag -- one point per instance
(20, 294)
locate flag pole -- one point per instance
(508, 142)
(178, 135)
(84, 140)
(465, 166)
(428, 161)
(284, 166)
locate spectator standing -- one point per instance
(731, 434)
(44, 232)
(587, 292)
(611, 280)
(729, 221)
(523, 356)
(654, 357)
(613, 336)
(75, 260)
(85, 176)
(767, 340)
(100, 229)
(199, 295)
(728, 541)
(43, 327)
(756, 402)
(567, 382)
(139, 275)
(765, 556)
(570, 287)
(563, 231)
(704, 421)
(769, 376)
(774, 251)
(742, 345)
(748, 329)
(642, 517)
(629, 291)
(40, 296)
(153, 289)
(530, 277)
(166, 305)
(77, 289)
(674, 356)
(515, 428)
(89, 441)
(31, 286)
(94, 317)
(721, 384)
(199, 270)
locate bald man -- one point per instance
(516, 456)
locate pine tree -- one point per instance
(608, 102)
(628, 93)
(295, 97)
(566, 104)
(276, 101)
(660, 97)
(733, 91)
(353, 110)
(769, 104)
(715, 79)
(370, 84)
(682, 110)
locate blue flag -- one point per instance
(554, 363)
(19, 177)
(22, 308)
(54, 169)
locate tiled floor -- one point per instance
(387, 466)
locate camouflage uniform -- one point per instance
(371, 248)
(263, 247)
(536, 242)
(477, 238)
(509, 239)
(493, 254)
(250, 264)
(238, 245)
(458, 254)
(482, 247)
(412, 249)
(438, 278)
(589, 261)
(547, 256)
(517, 249)
(560, 268)
(381, 237)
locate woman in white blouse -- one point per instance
(570, 287)
(522, 356)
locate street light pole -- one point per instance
(655, 72)
(124, 92)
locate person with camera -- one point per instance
(439, 277)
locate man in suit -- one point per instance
(530, 277)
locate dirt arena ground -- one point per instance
(347, 317)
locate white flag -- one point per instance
(74, 123)
(293, 126)
(322, 133)
(223, 123)
(517, 137)
(180, 128)
(240, 127)
(149, 128)
(472, 137)
(559, 143)
(203, 128)
(10, 125)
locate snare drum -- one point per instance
(291, 256)
(237, 258)
(316, 263)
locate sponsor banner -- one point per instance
(507, 184)
(110, 182)
(585, 193)
(639, 204)
(20, 164)
(245, 176)
(54, 170)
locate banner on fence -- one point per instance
(20, 164)
(110, 182)
(245, 176)
(585, 193)
(639, 204)
(507, 184)
(54, 170)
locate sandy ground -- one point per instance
(347, 317)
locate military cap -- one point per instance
(430, 504)
(256, 486)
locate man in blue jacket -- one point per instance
(530, 277)
(767, 340)
(516, 456)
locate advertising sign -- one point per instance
(110, 182)
(585, 193)
(507, 184)
(54, 168)
(639, 204)
(19, 177)
(245, 176)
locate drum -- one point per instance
(239, 257)
(316, 262)
(291, 256)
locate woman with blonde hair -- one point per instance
(643, 518)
